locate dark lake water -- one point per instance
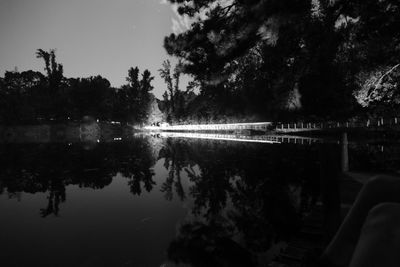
(165, 201)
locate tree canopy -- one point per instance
(264, 51)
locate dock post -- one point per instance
(345, 153)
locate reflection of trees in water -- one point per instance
(51, 167)
(264, 212)
(260, 192)
(246, 196)
(136, 164)
(173, 162)
(56, 195)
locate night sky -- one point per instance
(91, 37)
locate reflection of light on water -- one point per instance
(266, 139)
(225, 137)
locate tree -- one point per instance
(21, 96)
(137, 93)
(133, 92)
(174, 98)
(379, 90)
(226, 50)
(145, 96)
(53, 69)
(90, 96)
(165, 73)
(57, 99)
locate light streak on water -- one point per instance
(266, 139)
(225, 137)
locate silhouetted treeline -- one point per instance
(31, 97)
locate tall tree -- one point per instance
(174, 98)
(137, 93)
(133, 91)
(165, 73)
(53, 69)
(56, 102)
(145, 96)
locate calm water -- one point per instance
(156, 201)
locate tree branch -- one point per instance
(386, 74)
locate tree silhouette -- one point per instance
(165, 73)
(175, 100)
(40, 53)
(53, 69)
(137, 94)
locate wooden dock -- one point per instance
(282, 128)
(370, 124)
(255, 126)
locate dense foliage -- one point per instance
(260, 57)
(175, 102)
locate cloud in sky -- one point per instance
(182, 23)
